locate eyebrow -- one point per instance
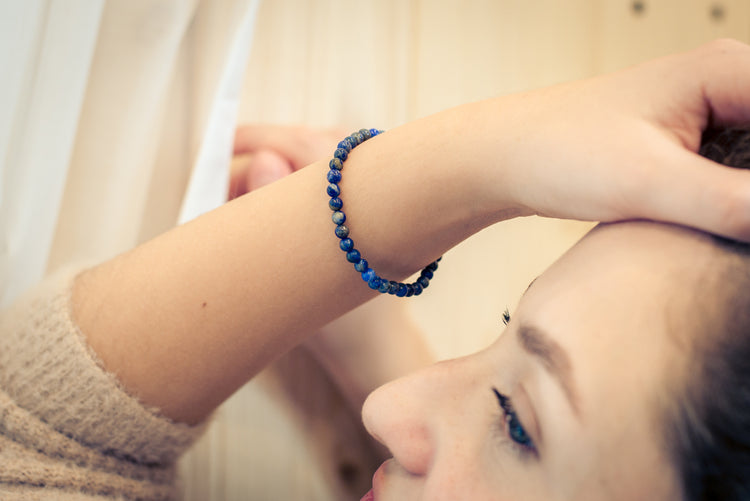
(553, 358)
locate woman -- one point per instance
(623, 375)
(241, 285)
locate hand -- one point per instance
(266, 153)
(622, 146)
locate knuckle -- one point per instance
(734, 213)
(721, 46)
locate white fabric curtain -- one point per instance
(46, 48)
(106, 107)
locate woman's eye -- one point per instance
(516, 431)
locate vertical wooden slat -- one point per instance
(628, 35)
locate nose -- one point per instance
(409, 414)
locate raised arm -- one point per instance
(187, 318)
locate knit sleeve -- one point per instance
(57, 403)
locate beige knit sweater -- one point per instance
(68, 431)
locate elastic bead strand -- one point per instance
(346, 244)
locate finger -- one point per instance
(250, 138)
(300, 145)
(238, 175)
(725, 80)
(265, 167)
(701, 194)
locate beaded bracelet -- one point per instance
(346, 244)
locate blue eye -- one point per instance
(516, 432)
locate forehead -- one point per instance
(610, 303)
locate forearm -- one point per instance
(187, 318)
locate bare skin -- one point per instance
(372, 344)
(243, 284)
(586, 357)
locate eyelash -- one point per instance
(513, 428)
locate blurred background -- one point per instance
(124, 148)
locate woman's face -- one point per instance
(564, 405)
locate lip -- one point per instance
(377, 482)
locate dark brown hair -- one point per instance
(708, 427)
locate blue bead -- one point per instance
(342, 231)
(361, 266)
(338, 217)
(353, 256)
(346, 244)
(334, 176)
(335, 203)
(368, 274)
(341, 154)
(336, 164)
(375, 283)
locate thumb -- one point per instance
(264, 168)
(702, 194)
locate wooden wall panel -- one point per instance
(471, 50)
(630, 31)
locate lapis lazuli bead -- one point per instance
(353, 256)
(335, 203)
(346, 244)
(336, 164)
(368, 274)
(375, 283)
(338, 217)
(341, 154)
(361, 265)
(342, 231)
(334, 176)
